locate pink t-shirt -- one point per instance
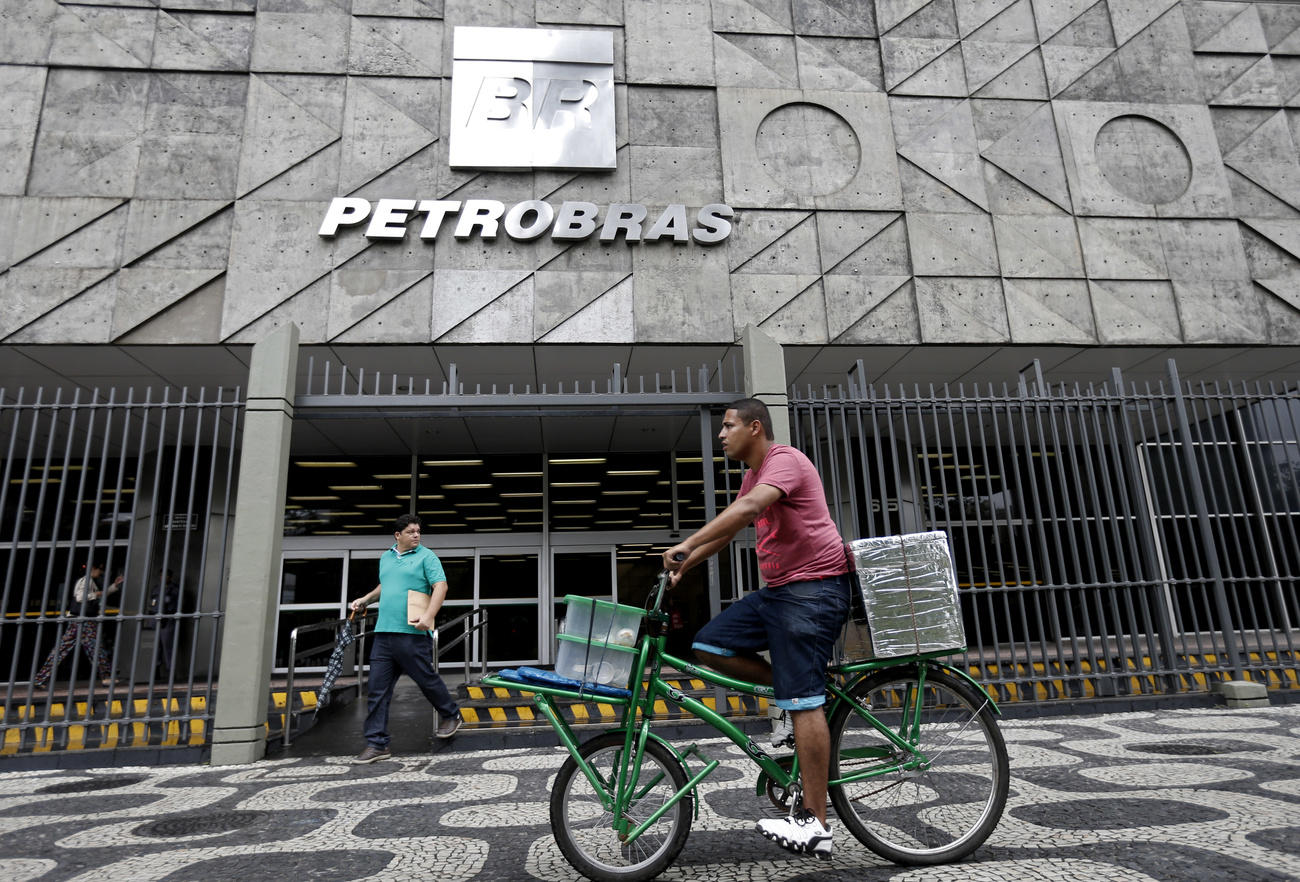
(797, 540)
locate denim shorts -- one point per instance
(797, 623)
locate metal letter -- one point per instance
(576, 220)
(672, 221)
(438, 209)
(623, 217)
(481, 213)
(501, 98)
(712, 224)
(389, 221)
(343, 211)
(566, 101)
(514, 226)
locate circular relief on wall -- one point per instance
(1143, 159)
(809, 149)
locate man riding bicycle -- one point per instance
(797, 617)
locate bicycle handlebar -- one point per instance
(664, 576)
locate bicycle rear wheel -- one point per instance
(584, 830)
(935, 814)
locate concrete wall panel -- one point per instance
(288, 119)
(956, 310)
(952, 244)
(678, 295)
(841, 18)
(311, 36)
(26, 30)
(1221, 311)
(23, 88)
(669, 42)
(1135, 160)
(842, 64)
(1135, 312)
(95, 36)
(795, 149)
(871, 309)
(89, 139)
(1049, 311)
(1038, 247)
(40, 302)
(688, 175)
(775, 242)
(201, 41)
(190, 143)
(276, 265)
(397, 47)
(1068, 171)
(402, 319)
(789, 308)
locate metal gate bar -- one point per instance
(1110, 540)
(143, 486)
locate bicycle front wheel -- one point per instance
(585, 831)
(944, 809)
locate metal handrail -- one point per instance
(294, 656)
(463, 639)
(438, 648)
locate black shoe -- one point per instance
(449, 726)
(372, 754)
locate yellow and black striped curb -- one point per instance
(495, 706)
(104, 725)
(36, 728)
(1103, 678)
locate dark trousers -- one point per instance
(166, 636)
(85, 633)
(392, 655)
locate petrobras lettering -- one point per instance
(395, 219)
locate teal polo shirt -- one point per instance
(416, 570)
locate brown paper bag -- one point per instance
(416, 604)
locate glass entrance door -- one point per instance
(504, 583)
(312, 590)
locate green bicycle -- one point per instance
(919, 770)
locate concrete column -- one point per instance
(248, 628)
(765, 379)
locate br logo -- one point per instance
(523, 99)
(547, 103)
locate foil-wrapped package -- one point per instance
(909, 591)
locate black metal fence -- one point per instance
(1110, 540)
(114, 518)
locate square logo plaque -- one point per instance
(524, 99)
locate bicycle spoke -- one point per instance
(947, 805)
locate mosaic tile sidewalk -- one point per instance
(1174, 795)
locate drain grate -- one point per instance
(108, 782)
(200, 825)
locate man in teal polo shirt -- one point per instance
(402, 645)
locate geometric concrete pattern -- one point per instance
(1175, 794)
(903, 172)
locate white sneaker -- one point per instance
(801, 833)
(782, 730)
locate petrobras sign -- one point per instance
(391, 219)
(532, 98)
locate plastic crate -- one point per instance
(597, 641)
